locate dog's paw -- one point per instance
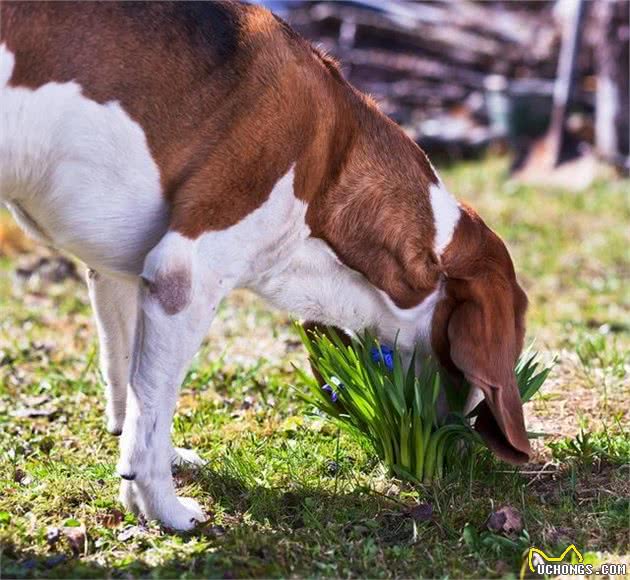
(115, 426)
(184, 516)
(177, 513)
(181, 457)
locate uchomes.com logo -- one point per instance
(570, 562)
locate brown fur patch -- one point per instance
(230, 97)
(478, 331)
(172, 290)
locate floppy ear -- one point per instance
(485, 333)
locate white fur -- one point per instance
(79, 175)
(475, 396)
(115, 306)
(164, 345)
(7, 64)
(302, 275)
(446, 214)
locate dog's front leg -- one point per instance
(178, 300)
(115, 305)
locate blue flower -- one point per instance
(384, 355)
(328, 389)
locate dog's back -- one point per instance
(109, 109)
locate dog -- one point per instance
(181, 150)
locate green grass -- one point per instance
(371, 393)
(290, 495)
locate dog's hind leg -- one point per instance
(178, 300)
(115, 305)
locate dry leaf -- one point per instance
(77, 538)
(506, 520)
(130, 532)
(110, 519)
(423, 512)
(33, 412)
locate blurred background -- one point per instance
(547, 80)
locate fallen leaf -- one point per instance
(77, 538)
(19, 475)
(110, 519)
(506, 520)
(49, 269)
(423, 512)
(554, 535)
(33, 412)
(130, 532)
(36, 400)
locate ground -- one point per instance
(287, 493)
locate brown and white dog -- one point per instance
(185, 149)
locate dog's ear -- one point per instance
(485, 333)
(478, 331)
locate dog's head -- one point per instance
(472, 317)
(446, 280)
(478, 330)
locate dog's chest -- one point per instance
(272, 253)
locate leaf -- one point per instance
(110, 519)
(423, 512)
(507, 520)
(77, 538)
(130, 532)
(470, 537)
(34, 412)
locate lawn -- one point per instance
(287, 493)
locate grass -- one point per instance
(370, 392)
(291, 495)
